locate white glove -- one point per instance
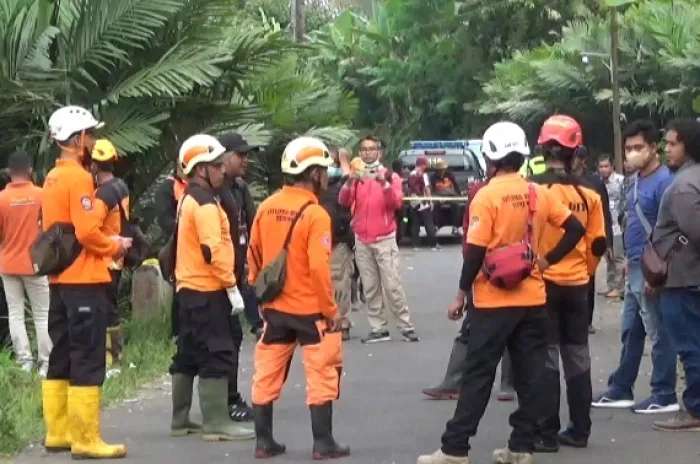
(236, 299)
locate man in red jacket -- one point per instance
(448, 389)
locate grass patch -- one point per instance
(146, 357)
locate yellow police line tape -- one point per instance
(448, 199)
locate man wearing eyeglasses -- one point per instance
(374, 194)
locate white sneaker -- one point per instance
(438, 457)
(43, 370)
(506, 456)
(27, 366)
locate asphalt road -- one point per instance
(382, 414)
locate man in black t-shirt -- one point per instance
(238, 203)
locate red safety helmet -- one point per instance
(563, 130)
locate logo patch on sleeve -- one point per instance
(86, 203)
(474, 223)
(327, 241)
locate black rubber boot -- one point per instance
(448, 389)
(265, 445)
(325, 446)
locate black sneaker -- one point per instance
(240, 411)
(376, 337)
(410, 336)
(546, 445)
(569, 437)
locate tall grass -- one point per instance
(146, 356)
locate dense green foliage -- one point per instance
(157, 71)
(417, 68)
(659, 78)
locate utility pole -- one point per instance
(298, 28)
(615, 76)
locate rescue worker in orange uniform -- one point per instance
(567, 284)
(444, 184)
(111, 195)
(79, 305)
(508, 218)
(304, 312)
(207, 295)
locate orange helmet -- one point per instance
(561, 129)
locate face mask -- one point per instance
(334, 172)
(373, 166)
(638, 159)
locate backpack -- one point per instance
(341, 217)
(272, 277)
(507, 266)
(54, 250)
(167, 255)
(140, 244)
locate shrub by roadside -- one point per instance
(146, 356)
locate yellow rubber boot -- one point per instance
(55, 401)
(84, 420)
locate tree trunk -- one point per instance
(615, 76)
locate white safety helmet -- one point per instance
(200, 148)
(69, 120)
(504, 138)
(304, 152)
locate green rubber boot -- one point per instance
(182, 402)
(217, 425)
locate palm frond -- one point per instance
(101, 34)
(176, 73)
(132, 128)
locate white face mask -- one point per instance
(637, 159)
(334, 172)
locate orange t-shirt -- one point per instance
(577, 266)
(68, 197)
(20, 204)
(498, 217)
(307, 289)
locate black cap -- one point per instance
(235, 142)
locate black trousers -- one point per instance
(590, 303)
(523, 331)
(567, 307)
(252, 309)
(205, 345)
(423, 217)
(506, 363)
(456, 219)
(113, 319)
(234, 395)
(174, 315)
(77, 327)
